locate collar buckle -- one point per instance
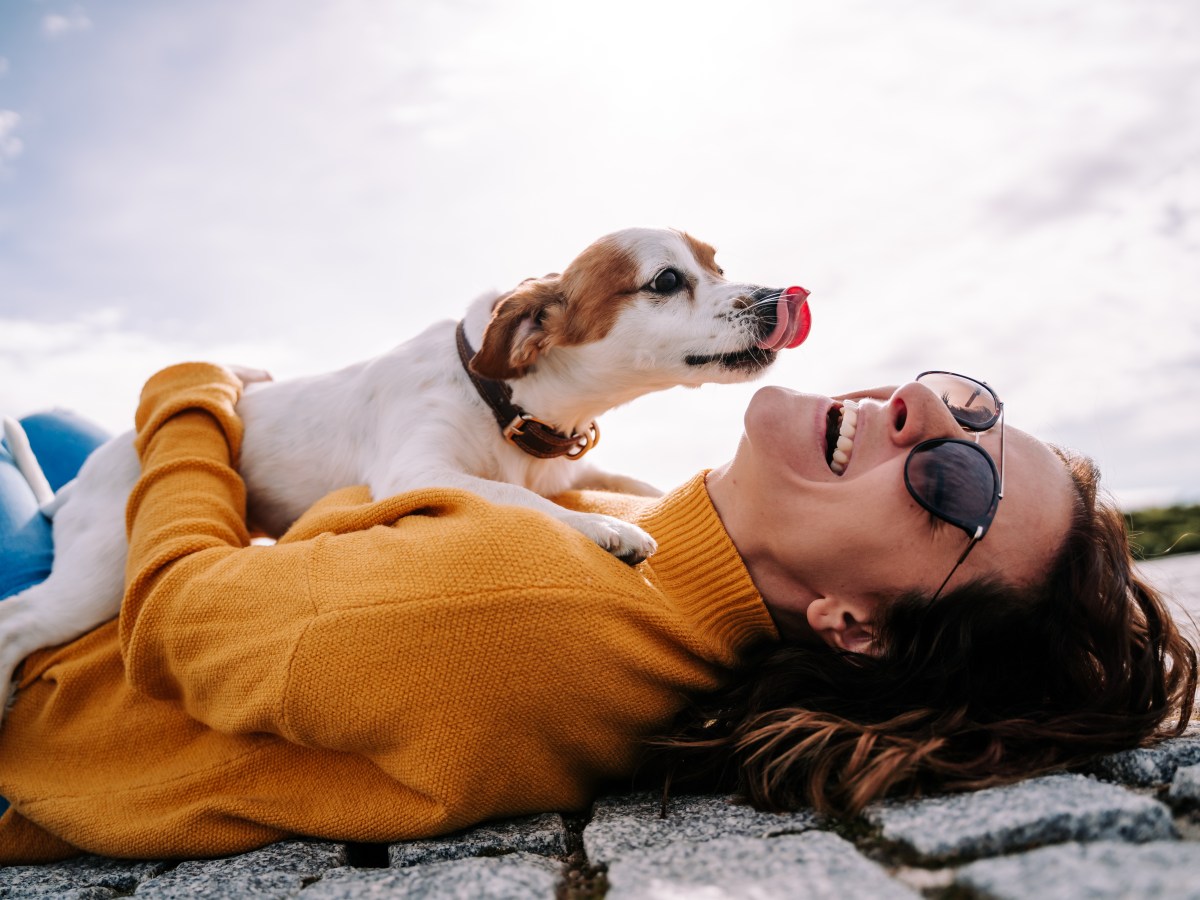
(524, 431)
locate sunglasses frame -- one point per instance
(975, 528)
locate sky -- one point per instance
(1007, 188)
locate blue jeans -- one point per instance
(61, 441)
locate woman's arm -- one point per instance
(194, 588)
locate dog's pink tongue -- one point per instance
(793, 321)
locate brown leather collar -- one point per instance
(519, 428)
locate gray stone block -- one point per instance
(191, 881)
(277, 870)
(1018, 816)
(628, 822)
(1150, 765)
(1108, 869)
(79, 878)
(87, 893)
(816, 865)
(517, 876)
(1186, 784)
(545, 835)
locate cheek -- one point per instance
(888, 526)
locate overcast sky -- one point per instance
(1009, 188)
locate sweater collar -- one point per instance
(699, 567)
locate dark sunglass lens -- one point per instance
(953, 480)
(971, 403)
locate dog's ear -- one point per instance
(517, 332)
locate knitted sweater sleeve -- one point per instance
(193, 583)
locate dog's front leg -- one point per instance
(623, 540)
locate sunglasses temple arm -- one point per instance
(970, 546)
(1000, 496)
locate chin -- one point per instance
(775, 410)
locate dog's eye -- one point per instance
(666, 282)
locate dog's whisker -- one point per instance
(769, 300)
(763, 303)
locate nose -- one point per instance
(918, 414)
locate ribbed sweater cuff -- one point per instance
(186, 386)
(698, 565)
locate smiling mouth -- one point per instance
(749, 360)
(841, 425)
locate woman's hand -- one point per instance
(249, 376)
(879, 393)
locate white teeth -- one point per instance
(845, 442)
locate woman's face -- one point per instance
(829, 550)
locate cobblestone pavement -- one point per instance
(1129, 827)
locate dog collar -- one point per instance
(519, 428)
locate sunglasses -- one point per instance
(954, 479)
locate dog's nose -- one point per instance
(761, 300)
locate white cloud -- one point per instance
(97, 363)
(57, 24)
(1005, 188)
(10, 145)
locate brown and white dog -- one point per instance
(638, 311)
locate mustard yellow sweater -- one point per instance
(388, 670)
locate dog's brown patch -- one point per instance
(595, 286)
(516, 334)
(705, 254)
(577, 307)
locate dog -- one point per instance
(638, 311)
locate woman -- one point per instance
(1041, 650)
(406, 667)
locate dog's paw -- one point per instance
(623, 540)
(12, 650)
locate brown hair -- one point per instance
(988, 684)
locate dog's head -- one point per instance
(643, 303)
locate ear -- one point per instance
(844, 622)
(517, 334)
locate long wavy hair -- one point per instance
(988, 684)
